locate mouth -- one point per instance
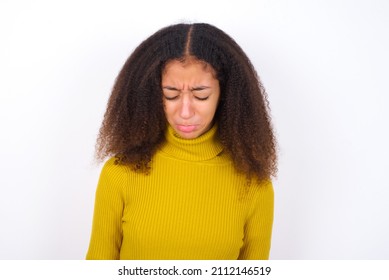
(186, 128)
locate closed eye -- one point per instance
(171, 97)
(201, 98)
(201, 90)
(170, 90)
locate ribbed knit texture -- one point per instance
(192, 205)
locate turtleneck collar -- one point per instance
(204, 147)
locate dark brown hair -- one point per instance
(134, 123)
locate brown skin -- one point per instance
(191, 96)
(134, 123)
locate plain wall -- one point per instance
(324, 65)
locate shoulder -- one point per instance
(112, 171)
(112, 165)
(113, 180)
(265, 189)
(264, 186)
(262, 194)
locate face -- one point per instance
(190, 95)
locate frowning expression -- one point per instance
(190, 95)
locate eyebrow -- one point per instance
(200, 88)
(169, 88)
(194, 88)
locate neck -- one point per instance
(205, 147)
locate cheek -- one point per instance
(210, 111)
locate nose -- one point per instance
(186, 109)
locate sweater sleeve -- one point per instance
(258, 227)
(106, 237)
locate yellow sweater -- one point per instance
(192, 205)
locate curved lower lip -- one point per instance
(186, 128)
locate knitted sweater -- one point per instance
(192, 205)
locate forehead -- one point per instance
(176, 66)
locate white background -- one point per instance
(324, 65)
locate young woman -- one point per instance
(192, 153)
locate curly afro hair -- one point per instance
(134, 123)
